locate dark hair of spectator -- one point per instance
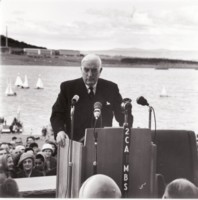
(28, 149)
(32, 145)
(9, 188)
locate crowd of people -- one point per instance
(18, 160)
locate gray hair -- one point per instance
(92, 57)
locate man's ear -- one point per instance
(101, 69)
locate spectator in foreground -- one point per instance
(100, 186)
(54, 147)
(9, 188)
(180, 188)
(7, 166)
(40, 163)
(50, 160)
(26, 163)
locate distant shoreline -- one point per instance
(11, 59)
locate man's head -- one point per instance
(99, 186)
(91, 68)
(180, 188)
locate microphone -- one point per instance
(126, 104)
(74, 99)
(142, 101)
(97, 110)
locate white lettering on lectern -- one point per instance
(126, 149)
(125, 186)
(126, 168)
(127, 140)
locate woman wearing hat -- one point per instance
(26, 163)
(50, 160)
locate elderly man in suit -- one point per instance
(90, 89)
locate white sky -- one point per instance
(102, 24)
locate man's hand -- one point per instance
(60, 139)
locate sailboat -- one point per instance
(163, 92)
(9, 91)
(18, 81)
(39, 84)
(25, 83)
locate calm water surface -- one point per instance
(178, 111)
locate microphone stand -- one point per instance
(95, 162)
(150, 113)
(70, 150)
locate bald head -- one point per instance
(181, 188)
(99, 186)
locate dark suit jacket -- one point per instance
(107, 93)
(34, 173)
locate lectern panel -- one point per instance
(110, 154)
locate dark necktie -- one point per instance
(91, 92)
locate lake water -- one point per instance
(177, 111)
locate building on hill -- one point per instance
(32, 52)
(66, 52)
(17, 51)
(47, 53)
(4, 49)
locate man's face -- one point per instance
(90, 72)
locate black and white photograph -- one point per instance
(99, 99)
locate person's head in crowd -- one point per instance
(18, 141)
(26, 161)
(14, 138)
(9, 189)
(99, 186)
(7, 164)
(29, 140)
(35, 147)
(54, 147)
(91, 68)
(40, 163)
(4, 145)
(48, 150)
(180, 188)
(19, 149)
(29, 149)
(3, 151)
(11, 146)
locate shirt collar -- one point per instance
(94, 88)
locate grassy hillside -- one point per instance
(16, 43)
(11, 59)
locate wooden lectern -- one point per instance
(109, 153)
(109, 161)
(62, 182)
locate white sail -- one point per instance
(25, 83)
(163, 92)
(39, 84)
(9, 91)
(18, 81)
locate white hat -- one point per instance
(47, 146)
(19, 148)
